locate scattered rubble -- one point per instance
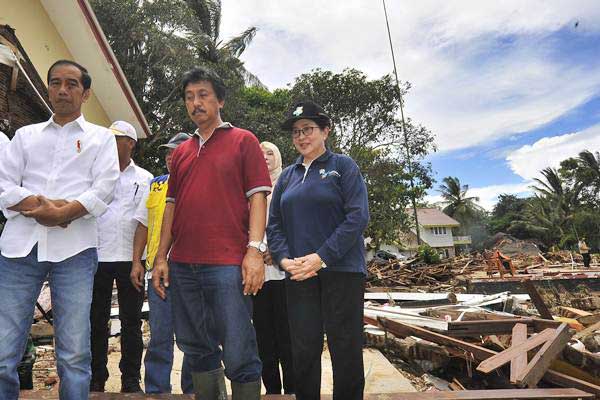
(447, 326)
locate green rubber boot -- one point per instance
(209, 385)
(245, 391)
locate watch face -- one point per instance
(262, 247)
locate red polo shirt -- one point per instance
(210, 184)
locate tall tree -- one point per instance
(458, 204)
(156, 41)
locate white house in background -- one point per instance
(435, 229)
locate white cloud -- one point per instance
(480, 70)
(528, 160)
(488, 195)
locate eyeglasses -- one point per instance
(307, 131)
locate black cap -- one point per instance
(305, 110)
(176, 140)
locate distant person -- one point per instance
(318, 214)
(56, 178)
(584, 250)
(116, 228)
(158, 361)
(213, 230)
(270, 309)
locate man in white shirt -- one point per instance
(55, 179)
(116, 228)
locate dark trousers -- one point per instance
(586, 259)
(130, 315)
(330, 303)
(273, 337)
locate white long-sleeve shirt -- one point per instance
(116, 227)
(77, 161)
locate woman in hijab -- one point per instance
(270, 310)
(317, 217)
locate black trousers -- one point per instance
(270, 320)
(330, 303)
(130, 314)
(586, 259)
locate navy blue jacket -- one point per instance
(325, 212)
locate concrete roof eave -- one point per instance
(76, 23)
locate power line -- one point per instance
(406, 146)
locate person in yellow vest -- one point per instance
(158, 361)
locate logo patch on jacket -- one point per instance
(324, 174)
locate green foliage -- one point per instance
(428, 255)
(509, 208)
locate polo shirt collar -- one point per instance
(322, 158)
(224, 125)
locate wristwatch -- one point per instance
(260, 246)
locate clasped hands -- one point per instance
(302, 268)
(45, 211)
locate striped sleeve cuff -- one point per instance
(258, 189)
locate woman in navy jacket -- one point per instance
(318, 213)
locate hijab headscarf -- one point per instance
(277, 170)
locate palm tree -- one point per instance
(550, 211)
(591, 162)
(457, 204)
(204, 28)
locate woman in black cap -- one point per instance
(318, 213)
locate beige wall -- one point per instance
(44, 45)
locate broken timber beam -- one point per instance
(519, 363)
(504, 357)
(497, 326)
(540, 363)
(480, 353)
(536, 299)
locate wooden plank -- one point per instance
(518, 364)
(497, 326)
(512, 352)
(540, 363)
(497, 394)
(589, 320)
(536, 299)
(572, 312)
(480, 353)
(403, 330)
(590, 329)
(564, 380)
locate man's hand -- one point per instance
(137, 275)
(27, 204)
(268, 260)
(253, 271)
(305, 267)
(47, 213)
(160, 276)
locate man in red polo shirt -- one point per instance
(213, 227)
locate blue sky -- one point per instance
(508, 88)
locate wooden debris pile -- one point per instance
(468, 342)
